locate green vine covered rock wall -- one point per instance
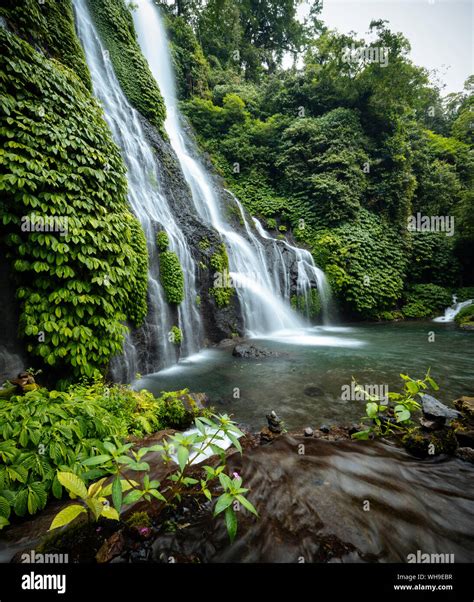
(115, 25)
(78, 254)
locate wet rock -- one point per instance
(195, 401)
(423, 444)
(266, 435)
(313, 391)
(112, 547)
(435, 410)
(248, 350)
(429, 425)
(465, 405)
(465, 438)
(273, 430)
(466, 454)
(308, 432)
(274, 422)
(325, 429)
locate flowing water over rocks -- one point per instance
(339, 502)
(263, 297)
(318, 501)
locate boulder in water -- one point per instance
(313, 391)
(465, 437)
(466, 454)
(248, 350)
(274, 428)
(465, 405)
(435, 410)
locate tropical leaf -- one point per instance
(73, 484)
(66, 516)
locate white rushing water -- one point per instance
(150, 205)
(263, 298)
(309, 275)
(451, 312)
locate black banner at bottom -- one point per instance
(236, 582)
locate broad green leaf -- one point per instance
(117, 493)
(96, 460)
(231, 523)
(73, 484)
(3, 522)
(235, 442)
(183, 455)
(371, 409)
(133, 497)
(66, 516)
(361, 434)
(95, 507)
(110, 513)
(222, 503)
(246, 504)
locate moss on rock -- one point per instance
(171, 276)
(49, 27)
(115, 25)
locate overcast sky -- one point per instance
(440, 31)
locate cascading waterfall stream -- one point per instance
(264, 308)
(451, 312)
(151, 207)
(308, 273)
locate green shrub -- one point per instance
(465, 316)
(77, 284)
(464, 294)
(171, 276)
(43, 430)
(115, 25)
(364, 261)
(426, 300)
(190, 66)
(162, 241)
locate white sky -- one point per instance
(440, 31)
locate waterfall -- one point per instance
(309, 275)
(451, 312)
(264, 308)
(150, 205)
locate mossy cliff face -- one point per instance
(115, 26)
(77, 253)
(49, 27)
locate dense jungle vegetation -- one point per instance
(341, 153)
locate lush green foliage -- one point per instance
(184, 449)
(81, 278)
(190, 67)
(354, 148)
(43, 431)
(466, 316)
(426, 301)
(171, 276)
(309, 307)
(393, 415)
(176, 335)
(364, 261)
(49, 25)
(115, 25)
